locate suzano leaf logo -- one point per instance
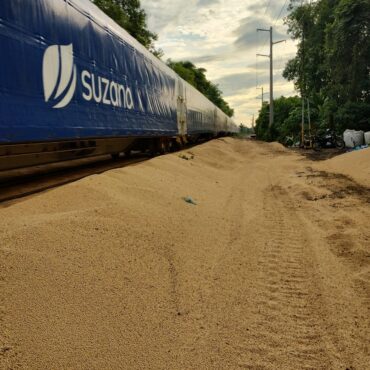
(59, 75)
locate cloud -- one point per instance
(247, 35)
(274, 10)
(207, 2)
(162, 13)
(211, 58)
(260, 65)
(237, 82)
(221, 36)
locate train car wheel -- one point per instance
(162, 146)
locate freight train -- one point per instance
(73, 83)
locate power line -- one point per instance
(256, 72)
(275, 21)
(267, 6)
(281, 11)
(270, 56)
(264, 13)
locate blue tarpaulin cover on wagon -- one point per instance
(68, 71)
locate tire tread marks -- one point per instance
(285, 307)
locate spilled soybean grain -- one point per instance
(116, 270)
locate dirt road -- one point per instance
(270, 268)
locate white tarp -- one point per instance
(353, 138)
(367, 137)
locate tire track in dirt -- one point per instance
(340, 249)
(286, 331)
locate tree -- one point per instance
(129, 15)
(197, 78)
(332, 64)
(307, 24)
(245, 130)
(348, 52)
(286, 121)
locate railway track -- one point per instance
(20, 183)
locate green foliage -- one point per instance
(353, 116)
(196, 77)
(245, 130)
(306, 24)
(129, 15)
(334, 44)
(185, 70)
(348, 52)
(287, 120)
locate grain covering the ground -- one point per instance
(354, 164)
(269, 269)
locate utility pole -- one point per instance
(272, 43)
(302, 123)
(261, 88)
(309, 118)
(303, 82)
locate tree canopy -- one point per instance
(196, 77)
(286, 122)
(332, 64)
(129, 15)
(331, 68)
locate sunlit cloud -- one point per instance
(221, 36)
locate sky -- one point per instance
(221, 36)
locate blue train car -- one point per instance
(73, 83)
